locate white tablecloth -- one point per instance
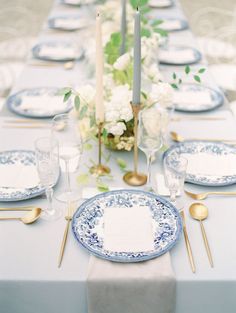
(30, 281)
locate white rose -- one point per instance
(87, 93)
(116, 129)
(122, 62)
(162, 93)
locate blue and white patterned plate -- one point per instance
(168, 56)
(57, 51)
(68, 23)
(216, 97)
(173, 24)
(16, 102)
(25, 158)
(88, 224)
(197, 148)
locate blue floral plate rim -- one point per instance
(150, 255)
(193, 178)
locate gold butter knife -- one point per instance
(188, 246)
(23, 208)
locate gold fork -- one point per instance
(204, 195)
(68, 219)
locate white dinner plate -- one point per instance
(68, 23)
(179, 55)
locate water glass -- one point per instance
(46, 150)
(175, 167)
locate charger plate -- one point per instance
(88, 224)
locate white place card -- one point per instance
(128, 229)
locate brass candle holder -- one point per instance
(100, 169)
(134, 178)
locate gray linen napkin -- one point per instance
(145, 287)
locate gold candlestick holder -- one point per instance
(100, 169)
(134, 178)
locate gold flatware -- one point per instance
(204, 195)
(199, 212)
(29, 218)
(26, 126)
(68, 219)
(187, 243)
(23, 208)
(67, 65)
(23, 121)
(196, 118)
(178, 138)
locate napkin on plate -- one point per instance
(177, 56)
(193, 97)
(170, 24)
(70, 23)
(18, 176)
(135, 287)
(57, 52)
(211, 165)
(159, 3)
(44, 103)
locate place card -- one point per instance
(44, 103)
(128, 229)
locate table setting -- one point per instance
(115, 143)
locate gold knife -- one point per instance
(188, 246)
(23, 208)
(68, 219)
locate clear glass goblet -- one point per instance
(150, 137)
(47, 160)
(175, 167)
(65, 129)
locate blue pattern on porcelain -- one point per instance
(14, 102)
(25, 157)
(216, 96)
(197, 147)
(88, 224)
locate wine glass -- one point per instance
(149, 136)
(47, 160)
(175, 167)
(65, 129)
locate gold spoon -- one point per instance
(67, 65)
(178, 138)
(199, 212)
(204, 195)
(29, 218)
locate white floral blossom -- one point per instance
(116, 128)
(162, 93)
(122, 62)
(87, 94)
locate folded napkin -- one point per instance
(192, 97)
(130, 288)
(170, 24)
(211, 165)
(159, 3)
(58, 52)
(70, 23)
(179, 56)
(161, 187)
(42, 103)
(18, 176)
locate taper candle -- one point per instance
(123, 27)
(137, 60)
(99, 72)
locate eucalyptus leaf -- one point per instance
(174, 86)
(197, 78)
(187, 69)
(77, 102)
(87, 146)
(122, 164)
(101, 186)
(63, 91)
(202, 70)
(67, 96)
(83, 112)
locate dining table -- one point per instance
(30, 280)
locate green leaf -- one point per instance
(83, 179)
(138, 3)
(145, 32)
(64, 91)
(83, 112)
(156, 22)
(161, 31)
(187, 69)
(197, 78)
(144, 95)
(122, 164)
(87, 146)
(101, 186)
(104, 133)
(77, 102)
(174, 76)
(67, 96)
(174, 86)
(202, 70)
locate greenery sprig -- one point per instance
(177, 80)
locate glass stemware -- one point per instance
(150, 136)
(175, 167)
(48, 168)
(65, 129)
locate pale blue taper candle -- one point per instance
(137, 60)
(123, 26)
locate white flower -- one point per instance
(87, 93)
(152, 72)
(162, 93)
(122, 62)
(116, 129)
